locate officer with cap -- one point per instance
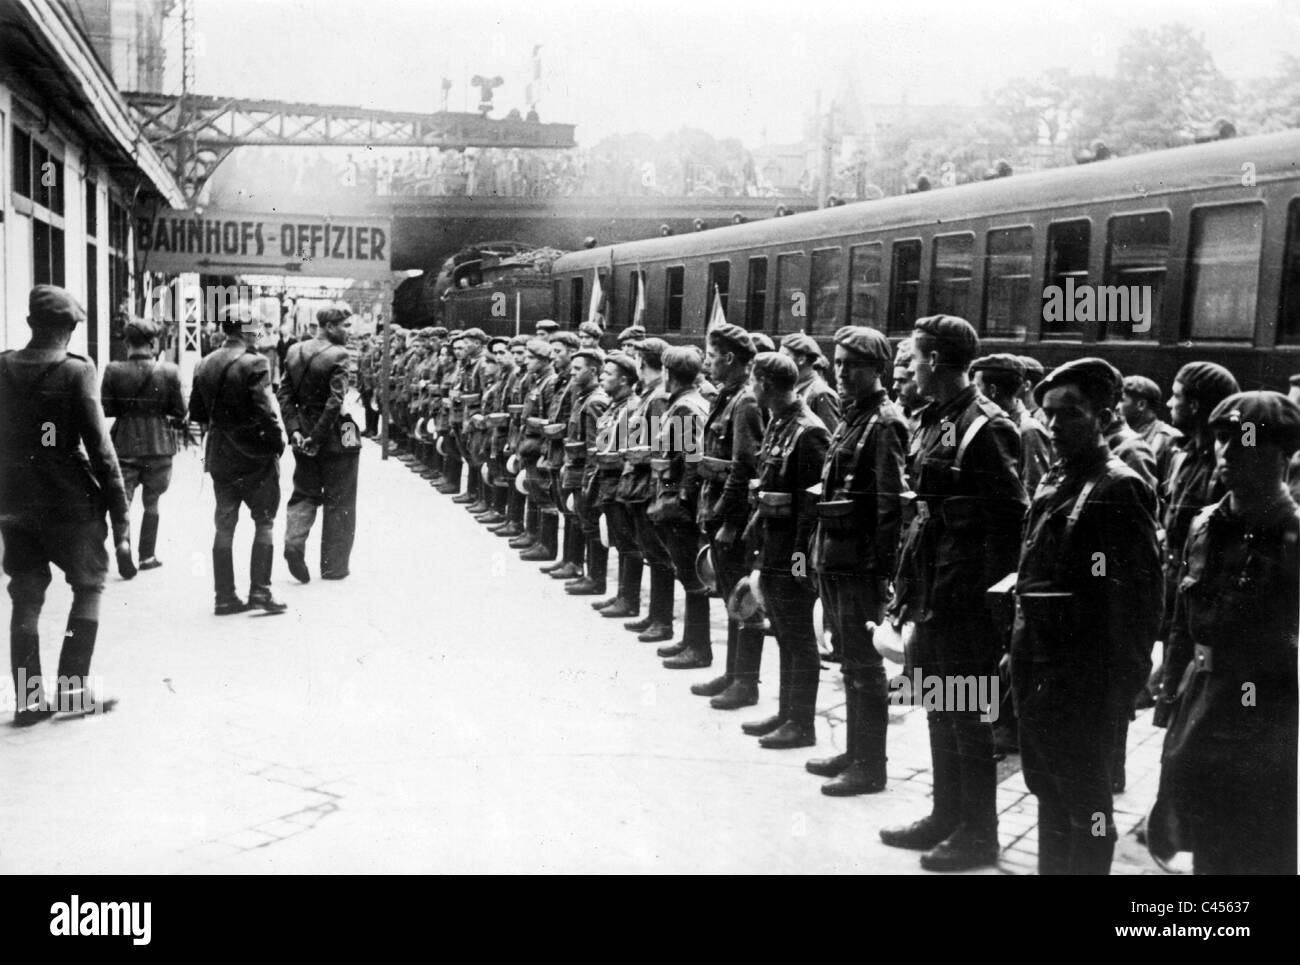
(821, 398)
(1088, 593)
(58, 475)
(1139, 404)
(999, 378)
(1228, 770)
(964, 539)
(605, 468)
(144, 398)
(789, 465)
(589, 404)
(232, 396)
(732, 436)
(854, 550)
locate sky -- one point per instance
(748, 69)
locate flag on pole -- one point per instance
(718, 316)
(597, 296)
(638, 313)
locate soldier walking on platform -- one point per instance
(964, 539)
(854, 549)
(232, 396)
(58, 476)
(1088, 608)
(326, 448)
(144, 397)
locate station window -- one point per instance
(825, 289)
(864, 283)
(791, 293)
(47, 254)
(675, 288)
(1067, 269)
(1223, 272)
(950, 276)
(904, 285)
(1288, 329)
(119, 274)
(1008, 305)
(756, 297)
(1137, 258)
(22, 166)
(577, 303)
(92, 268)
(719, 282)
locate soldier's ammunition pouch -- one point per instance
(1051, 618)
(575, 453)
(639, 455)
(665, 505)
(714, 469)
(775, 505)
(838, 517)
(607, 461)
(515, 408)
(497, 419)
(533, 426)
(554, 430)
(471, 401)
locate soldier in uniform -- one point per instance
(494, 419)
(467, 400)
(1088, 592)
(589, 404)
(448, 420)
(964, 539)
(232, 396)
(1228, 770)
(904, 385)
(821, 398)
(537, 403)
(999, 378)
(326, 448)
(854, 549)
(628, 338)
(58, 476)
(604, 469)
(635, 489)
(144, 397)
(1138, 405)
(550, 466)
(517, 387)
(732, 435)
(784, 514)
(589, 335)
(674, 497)
(1034, 373)
(546, 327)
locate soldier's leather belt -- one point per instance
(639, 455)
(553, 430)
(835, 508)
(576, 451)
(713, 468)
(535, 422)
(515, 408)
(609, 460)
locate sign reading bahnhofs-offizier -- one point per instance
(247, 242)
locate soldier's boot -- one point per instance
(1091, 854)
(743, 689)
(629, 587)
(699, 648)
(514, 524)
(531, 525)
(1119, 755)
(296, 560)
(25, 663)
(944, 816)
(451, 476)
(598, 563)
(975, 842)
(75, 696)
(600, 606)
(223, 573)
(760, 728)
(259, 579)
(570, 563)
(522, 541)
(868, 722)
(544, 549)
(1054, 841)
(468, 496)
(837, 764)
(149, 540)
(658, 623)
(564, 562)
(711, 688)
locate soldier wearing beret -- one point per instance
(537, 403)
(821, 398)
(326, 448)
(232, 396)
(999, 378)
(466, 402)
(1088, 594)
(1034, 373)
(1141, 397)
(732, 436)
(589, 335)
(789, 464)
(478, 437)
(569, 566)
(628, 338)
(495, 425)
(144, 397)
(1228, 769)
(448, 424)
(520, 381)
(58, 476)
(589, 404)
(964, 539)
(605, 467)
(854, 550)
(635, 489)
(546, 327)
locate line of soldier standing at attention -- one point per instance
(1043, 528)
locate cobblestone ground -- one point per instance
(446, 708)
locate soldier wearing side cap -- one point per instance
(1228, 769)
(964, 539)
(1088, 593)
(999, 378)
(604, 469)
(732, 436)
(784, 513)
(1141, 398)
(58, 477)
(589, 404)
(854, 550)
(232, 396)
(821, 398)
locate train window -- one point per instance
(904, 285)
(1288, 329)
(719, 281)
(635, 293)
(675, 288)
(1137, 257)
(1223, 277)
(950, 277)
(1008, 305)
(791, 293)
(864, 283)
(756, 297)
(577, 305)
(1067, 269)
(825, 289)
(606, 306)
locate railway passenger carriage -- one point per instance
(1211, 232)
